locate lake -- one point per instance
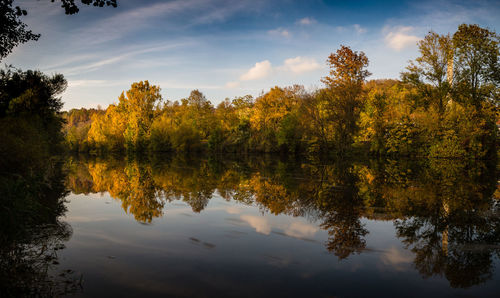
(268, 226)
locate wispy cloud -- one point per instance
(400, 37)
(306, 21)
(232, 84)
(94, 65)
(71, 60)
(221, 10)
(88, 83)
(359, 29)
(447, 15)
(184, 13)
(351, 28)
(123, 23)
(280, 32)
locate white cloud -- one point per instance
(349, 29)
(300, 64)
(297, 65)
(260, 70)
(340, 28)
(301, 230)
(398, 259)
(280, 32)
(400, 38)
(359, 29)
(260, 224)
(306, 21)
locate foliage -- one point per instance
(78, 122)
(138, 106)
(476, 52)
(12, 30)
(343, 98)
(445, 105)
(128, 124)
(29, 111)
(430, 73)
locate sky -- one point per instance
(227, 48)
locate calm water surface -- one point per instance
(265, 227)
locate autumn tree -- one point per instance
(269, 116)
(138, 106)
(343, 95)
(106, 132)
(241, 132)
(128, 124)
(200, 112)
(78, 123)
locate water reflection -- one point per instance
(31, 233)
(445, 212)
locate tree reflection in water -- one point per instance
(444, 211)
(31, 233)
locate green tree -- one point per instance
(477, 67)
(29, 104)
(431, 73)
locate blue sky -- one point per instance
(227, 48)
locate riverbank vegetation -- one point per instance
(30, 148)
(444, 105)
(32, 185)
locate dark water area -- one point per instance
(259, 227)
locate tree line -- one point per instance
(444, 105)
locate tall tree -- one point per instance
(476, 53)
(200, 112)
(344, 93)
(429, 72)
(138, 106)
